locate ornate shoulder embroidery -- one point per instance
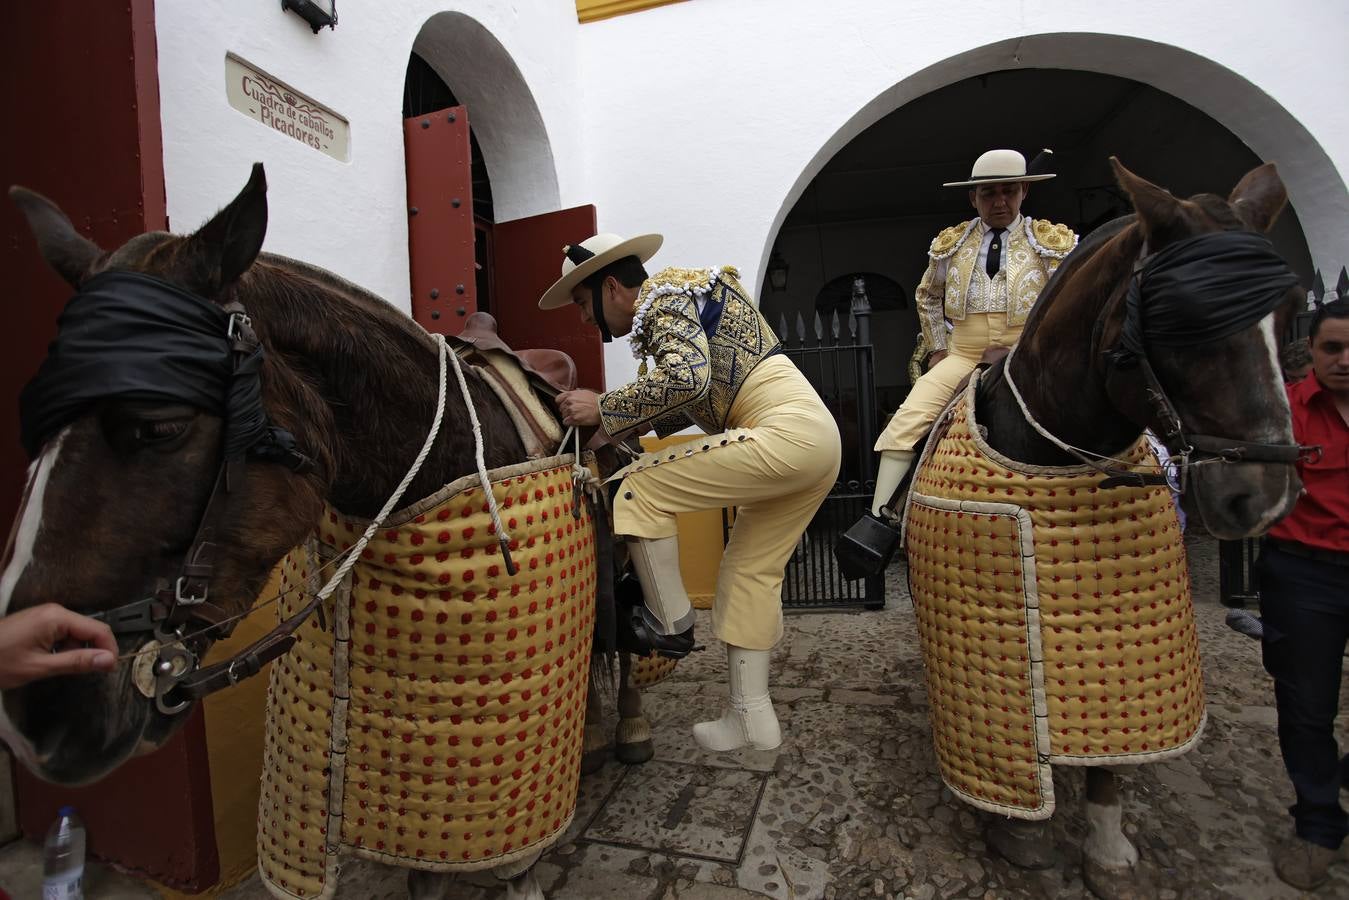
(1049, 238)
(695, 283)
(950, 239)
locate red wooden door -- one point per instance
(154, 815)
(440, 219)
(527, 257)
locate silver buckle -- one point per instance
(190, 599)
(237, 320)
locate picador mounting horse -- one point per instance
(1045, 559)
(207, 408)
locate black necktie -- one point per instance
(995, 252)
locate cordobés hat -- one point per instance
(580, 261)
(1000, 166)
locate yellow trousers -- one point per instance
(965, 346)
(775, 463)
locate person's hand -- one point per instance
(935, 357)
(579, 407)
(48, 640)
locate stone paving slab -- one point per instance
(851, 804)
(702, 812)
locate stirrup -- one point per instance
(639, 633)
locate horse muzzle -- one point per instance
(1241, 500)
(74, 730)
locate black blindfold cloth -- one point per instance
(1202, 289)
(134, 336)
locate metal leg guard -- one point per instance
(664, 623)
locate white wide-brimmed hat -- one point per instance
(579, 261)
(1000, 166)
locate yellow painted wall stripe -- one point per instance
(594, 10)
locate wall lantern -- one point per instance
(777, 271)
(316, 12)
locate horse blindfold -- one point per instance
(1202, 289)
(134, 336)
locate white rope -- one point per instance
(355, 553)
(1044, 432)
(565, 439)
(502, 537)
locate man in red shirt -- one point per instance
(1304, 599)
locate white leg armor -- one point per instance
(750, 720)
(656, 562)
(890, 471)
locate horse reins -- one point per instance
(1158, 412)
(169, 614)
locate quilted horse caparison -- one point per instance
(1054, 617)
(439, 724)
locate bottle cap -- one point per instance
(66, 811)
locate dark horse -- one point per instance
(1227, 393)
(354, 381)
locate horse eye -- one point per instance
(158, 432)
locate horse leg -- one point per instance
(428, 885)
(1025, 844)
(521, 882)
(595, 742)
(1109, 858)
(633, 745)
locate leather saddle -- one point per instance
(548, 372)
(556, 369)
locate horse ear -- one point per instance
(1259, 197)
(68, 252)
(232, 239)
(1157, 208)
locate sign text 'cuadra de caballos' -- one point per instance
(279, 106)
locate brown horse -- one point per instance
(1222, 406)
(352, 379)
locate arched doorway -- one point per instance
(870, 198)
(484, 226)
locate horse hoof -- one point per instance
(1026, 845)
(1115, 883)
(635, 753)
(593, 760)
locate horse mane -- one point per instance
(1058, 338)
(338, 356)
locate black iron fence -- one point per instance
(836, 355)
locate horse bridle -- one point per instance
(1158, 413)
(181, 620)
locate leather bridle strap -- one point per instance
(249, 661)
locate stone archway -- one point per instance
(1316, 189)
(505, 117)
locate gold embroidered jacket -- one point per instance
(700, 359)
(1034, 251)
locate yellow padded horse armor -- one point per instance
(1054, 617)
(439, 725)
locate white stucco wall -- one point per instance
(351, 217)
(731, 106)
(707, 119)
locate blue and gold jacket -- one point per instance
(701, 356)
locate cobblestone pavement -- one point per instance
(851, 805)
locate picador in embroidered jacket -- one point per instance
(983, 277)
(771, 450)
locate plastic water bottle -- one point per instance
(63, 858)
